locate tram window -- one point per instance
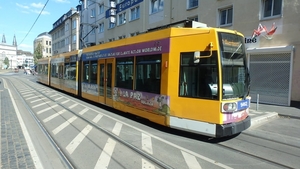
(93, 72)
(148, 71)
(86, 67)
(60, 71)
(46, 70)
(124, 73)
(66, 71)
(54, 70)
(198, 80)
(72, 71)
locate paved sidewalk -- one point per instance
(260, 113)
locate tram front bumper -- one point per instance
(224, 130)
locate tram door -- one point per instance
(106, 81)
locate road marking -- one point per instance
(74, 105)
(146, 164)
(33, 97)
(26, 92)
(41, 104)
(28, 95)
(63, 125)
(191, 161)
(54, 95)
(117, 129)
(58, 98)
(42, 111)
(83, 111)
(53, 116)
(65, 101)
(44, 98)
(78, 139)
(147, 143)
(97, 118)
(105, 155)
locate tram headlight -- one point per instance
(229, 107)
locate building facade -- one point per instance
(65, 33)
(270, 27)
(9, 53)
(45, 40)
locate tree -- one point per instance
(38, 53)
(6, 62)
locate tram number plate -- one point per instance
(243, 104)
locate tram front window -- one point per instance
(235, 74)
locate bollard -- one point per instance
(257, 102)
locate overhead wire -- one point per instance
(34, 22)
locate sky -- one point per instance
(24, 19)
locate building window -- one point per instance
(192, 3)
(122, 18)
(93, 12)
(195, 18)
(49, 42)
(111, 24)
(46, 42)
(74, 38)
(101, 27)
(74, 24)
(135, 13)
(101, 9)
(67, 26)
(156, 6)
(271, 8)
(226, 16)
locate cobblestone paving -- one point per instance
(14, 150)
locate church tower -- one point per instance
(14, 41)
(3, 39)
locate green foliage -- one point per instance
(38, 52)
(6, 62)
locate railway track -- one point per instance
(155, 162)
(63, 118)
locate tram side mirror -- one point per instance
(197, 56)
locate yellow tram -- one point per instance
(192, 79)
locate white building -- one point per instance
(9, 52)
(45, 40)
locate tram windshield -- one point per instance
(235, 76)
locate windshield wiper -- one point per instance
(236, 50)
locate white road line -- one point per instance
(63, 125)
(35, 157)
(78, 139)
(44, 98)
(191, 161)
(42, 111)
(83, 111)
(28, 95)
(74, 105)
(33, 97)
(26, 92)
(97, 118)
(65, 101)
(105, 155)
(53, 116)
(147, 143)
(41, 104)
(146, 164)
(58, 98)
(117, 129)
(54, 95)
